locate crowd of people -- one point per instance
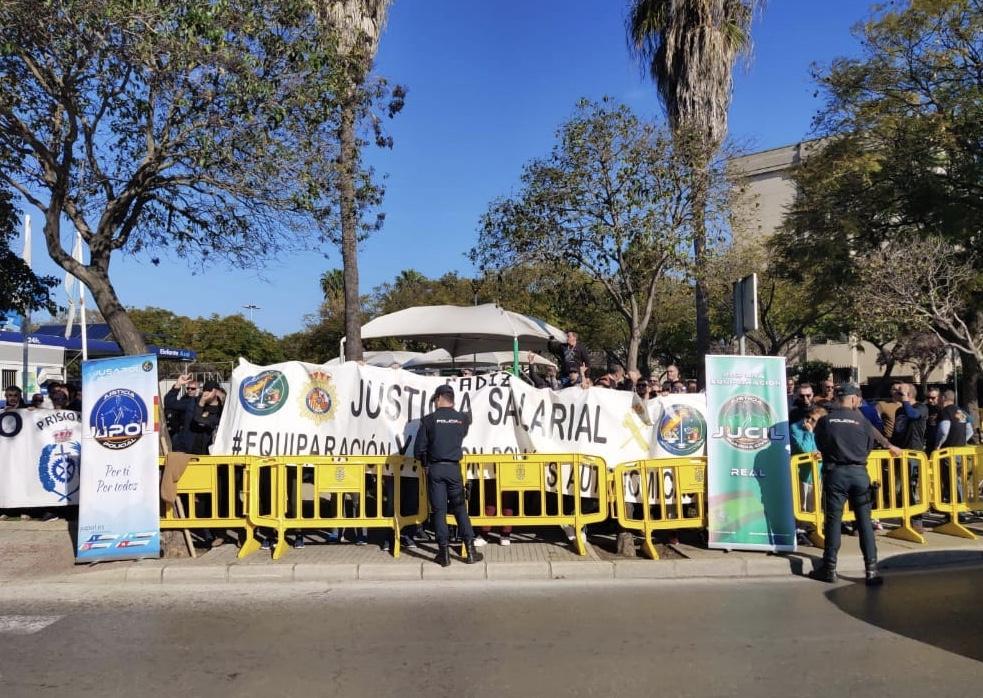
(58, 396)
(574, 371)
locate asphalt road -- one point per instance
(919, 635)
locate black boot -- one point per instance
(443, 556)
(473, 555)
(872, 576)
(824, 573)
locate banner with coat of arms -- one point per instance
(301, 409)
(39, 458)
(119, 489)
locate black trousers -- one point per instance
(445, 487)
(842, 483)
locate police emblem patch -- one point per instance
(119, 418)
(318, 399)
(747, 423)
(58, 467)
(682, 430)
(264, 393)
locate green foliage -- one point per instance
(612, 201)
(216, 339)
(814, 372)
(20, 289)
(903, 150)
(202, 127)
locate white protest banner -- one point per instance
(119, 490)
(39, 458)
(301, 409)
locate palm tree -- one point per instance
(356, 27)
(689, 48)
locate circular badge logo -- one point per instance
(148, 366)
(682, 430)
(118, 419)
(746, 422)
(319, 401)
(264, 393)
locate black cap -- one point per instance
(844, 389)
(444, 391)
(211, 385)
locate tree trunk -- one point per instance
(969, 395)
(700, 194)
(348, 157)
(634, 342)
(124, 331)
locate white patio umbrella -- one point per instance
(441, 358)
(466, 329)
(384, 359)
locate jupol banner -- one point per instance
(302, 409)
(119, 491)
(749, 507)
(39, 458)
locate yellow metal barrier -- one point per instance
(324, 492)
(895, 497)
(538, 489)
(209, 490)
(956, 487)
(660, 487)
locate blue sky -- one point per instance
(489, 83)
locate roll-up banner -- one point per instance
(748, 454)
(118, 494)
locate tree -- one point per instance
(689, 48)
(20, 290)
(192, 127)
(787, 310)
(926, 284)
(612, 200)
(901, 160)
(356, 26)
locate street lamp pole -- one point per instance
(251, 307)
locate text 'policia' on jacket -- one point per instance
(440, 435)
(844, 437)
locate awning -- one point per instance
(96, 347)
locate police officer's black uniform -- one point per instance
(845, 441)
(438, 448)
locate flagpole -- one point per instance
(26, 324)
(85, 329)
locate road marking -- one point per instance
(25, 625)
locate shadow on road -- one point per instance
(940, 608)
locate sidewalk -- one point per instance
(41, 552)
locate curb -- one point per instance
(729, 567)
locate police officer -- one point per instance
(845, 439)
(438, 448)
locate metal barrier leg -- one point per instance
(251, 545)
(954, 528)
(906, 532)
(649, 546)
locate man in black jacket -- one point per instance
(573, 357)
(186, 438)
(438, 448)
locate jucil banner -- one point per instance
(748, 454)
